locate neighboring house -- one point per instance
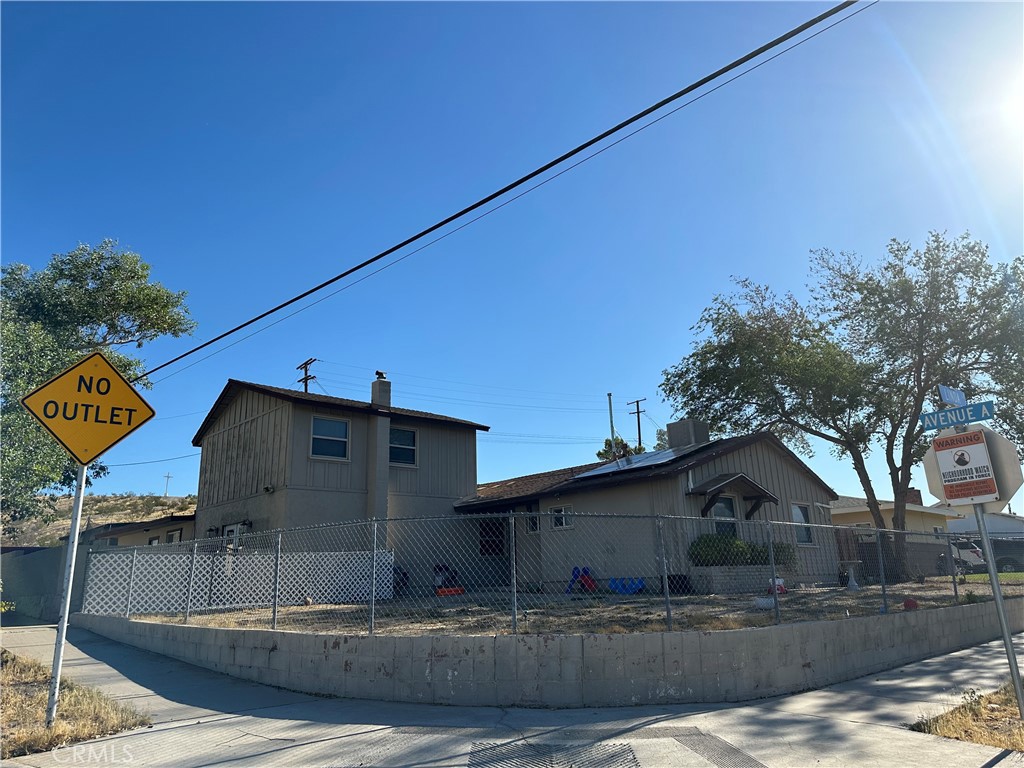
(726, 482)
(1000, 524)
(279, 458)
(163, 530)
(850, 510)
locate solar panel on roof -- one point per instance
(652, 459)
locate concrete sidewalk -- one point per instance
(203, 718)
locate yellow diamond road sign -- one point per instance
(88, 408)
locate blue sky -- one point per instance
(250, 151)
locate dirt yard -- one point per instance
(491, 612)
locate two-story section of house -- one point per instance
(278, 458)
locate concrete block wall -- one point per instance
(571, 670)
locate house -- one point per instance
(851, 510)
(1001, 524)
(587, 516)
(163, 530)
(278, 458)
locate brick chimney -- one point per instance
(914, 497)
(380, 390)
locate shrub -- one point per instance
(785, 555)
(719, 549)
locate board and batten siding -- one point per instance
(445, 462)
(247, 450)
(310, 473)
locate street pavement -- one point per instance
(203, 718)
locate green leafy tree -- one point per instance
(859, 362)
(89, 299)
(661, 440)
(622, 449)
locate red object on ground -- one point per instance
(448, 591)
(587, 583)
(910, 604)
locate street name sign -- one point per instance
(965, 468)
(950, 417)
(951, 396)
(88, 408)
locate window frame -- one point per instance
(723, 521)
(802, 527)
(170, 534)
(152, 541)
(313, 436)
(563, 513)
(415, 448)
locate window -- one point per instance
(330, 439)
(492, 538)
(560, 517)
(725, 509)
(402, 449)
(154, 540)
(532, 524)
(173, 536)
(802, 514)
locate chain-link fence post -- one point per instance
(373, 580)
(774, 585)
(951, 565)
(131, 584)
(664, 575)
(512, 572)
(881, 572)
(277, 580)
(191, 580)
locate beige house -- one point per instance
(850, 510)
(279, 458)
(163, 530)
(587, 516)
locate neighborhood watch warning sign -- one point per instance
(965, 468)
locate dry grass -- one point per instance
(82, 713)
(487, 613)
(993, 720)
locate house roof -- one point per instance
(234, 387)
(851, 504)
(655, 464)
(108, 530)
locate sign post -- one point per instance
(975, 467)
(88, 408)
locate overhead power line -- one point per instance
(522, 180)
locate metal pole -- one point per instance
(771, 562)
(131, 583)
(664, 574)
(191, 580)
(512, 572)
(881, 572)
(373, 581)
(611, 424)
(951, 564)
(69, 573)
(277, 578)
(997, 593)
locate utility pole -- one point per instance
(639, 439)
(306, 378)
(611, 423)
(167, 485)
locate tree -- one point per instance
(858, 363)
(85, 300)
(622, 449)
(661, 440)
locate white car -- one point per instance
(967, 557)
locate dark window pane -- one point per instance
(403, 437)
(330, 428)
(337, 449)
(403, 455)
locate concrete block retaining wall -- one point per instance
(571, 670)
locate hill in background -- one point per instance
(96, 510)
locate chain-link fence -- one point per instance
(545, 573)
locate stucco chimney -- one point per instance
(687, 432)
(914, 497)
(380, 390)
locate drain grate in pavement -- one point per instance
(718, 751)
(522, 754)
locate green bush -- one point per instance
(719, 549)
(726, 549)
